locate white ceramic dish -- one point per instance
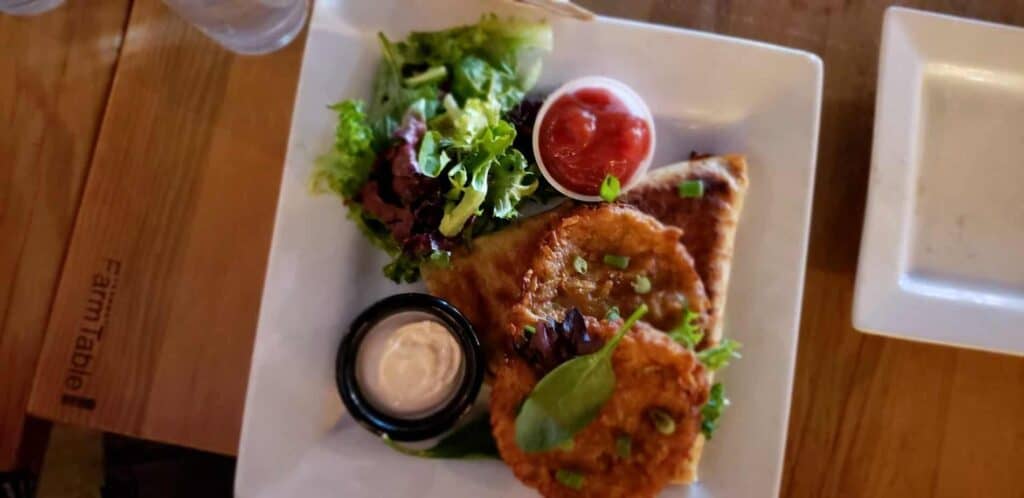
(708, 93)
(634, 102)
(941, 258)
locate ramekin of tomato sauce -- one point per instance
(590, 128)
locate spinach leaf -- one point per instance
(569, 397)
(472, 441)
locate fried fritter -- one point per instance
(708, 222)
(653, 374)
(597, 257)
(486, 280)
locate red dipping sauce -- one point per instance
(588, 134)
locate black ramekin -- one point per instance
(437, 423)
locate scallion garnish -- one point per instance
(616, 261)
(580, 265)
(612, 313)
(623, 446)
(569, 478)
(663, 422)
(641, 284)
(691, 189)
(610, 188)
(529, 330)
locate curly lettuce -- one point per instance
(431, 160)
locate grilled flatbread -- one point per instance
(709, 229)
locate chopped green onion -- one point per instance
(612, 313)
(641, 284)
(616, 261)
(529, 330)
(610, 188)
(441, 258)
(569, 478)
(580, 265)
(662, 421)
(623, 446)
(691, 188)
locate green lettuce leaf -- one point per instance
(473, 195)
(512, 182)
(346, 167)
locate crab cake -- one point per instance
(656, 378)
(596, 258)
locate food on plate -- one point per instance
(633, 444)
(704, 198)
(410, 367)
(589, 130)
(603, 256)
(484, 280)
(436, 170)
(431, 161)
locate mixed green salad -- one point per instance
(433, 159)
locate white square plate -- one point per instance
(942, 258)
(709, 93)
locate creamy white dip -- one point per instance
(409, 365)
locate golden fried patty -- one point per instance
(597, 257)
(653, 373)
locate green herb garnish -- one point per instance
(569, 478)
(472, 441)
(623, 446)
(441, 258)
(688, 332)
(691, 189)
(612, 313)
(580, 265)
(569, 397)
(663, 422)
(610, 188)
(712, 410)
(529, 330)
(719, 356)
(616, 261)
(641, 284)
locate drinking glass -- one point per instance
(27, 7)
(245, 26)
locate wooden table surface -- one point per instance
(140, 166)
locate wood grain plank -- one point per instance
(57, 69)
(190, 158)
(160, 291)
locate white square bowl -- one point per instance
(708, 93)
(942, 257)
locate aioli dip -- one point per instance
(409, 365)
